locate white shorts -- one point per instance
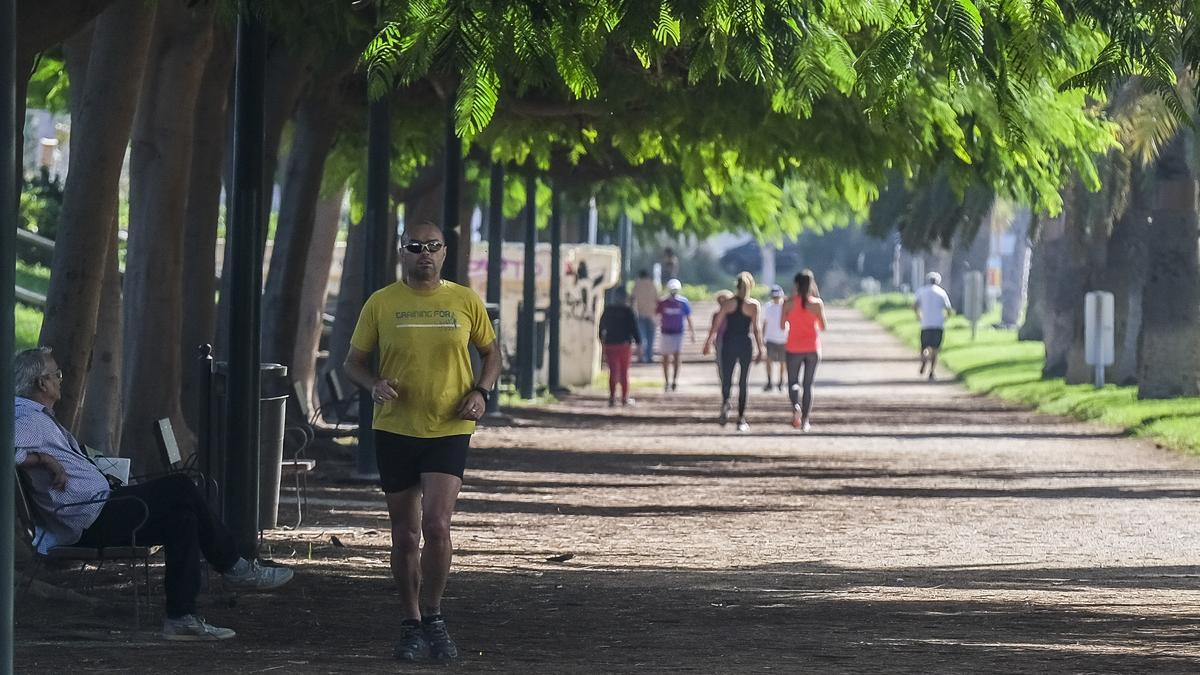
(671, 343)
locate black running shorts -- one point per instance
(402, 459)
(931, 337)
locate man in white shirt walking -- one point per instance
(932, 306)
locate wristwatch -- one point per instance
(487, 395)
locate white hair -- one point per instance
(28, 366)
(933, 278)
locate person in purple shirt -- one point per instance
(74, 503)
(674, 312)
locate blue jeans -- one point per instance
(646, 326)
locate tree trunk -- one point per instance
(41, 24)
(287, 74)
(349, 299)
(101, 134)
(969, 256)
(1125, 276)
(1031, 328)
(100, 421)
(313, 296)
(160, 161)
(1014, 266)
(202, 215)
(315, 128)
(1170, 350)
(1064, 282)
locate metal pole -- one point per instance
(555, 309)
(528, 357)
(10, 129)
(245, 233)
(450, 199)
(1098, 343)
(375, 229)
(495, 232)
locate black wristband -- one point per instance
(487, 395)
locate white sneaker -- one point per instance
(191, 628)
(256, 577)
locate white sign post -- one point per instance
(973, 298)
(1098, 328)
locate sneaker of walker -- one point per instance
(191, 628)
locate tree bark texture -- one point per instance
(1063, 287)
(41, 24)
(202, 215)
(1014, 267)
(313, 295)
(1125, 277)
(160, 161)
(349, 299)
(1035, 290)
(314, 132)
(100, 421)
(1170, 351)
(101, 133)
(969, 256)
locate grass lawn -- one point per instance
(995, 363)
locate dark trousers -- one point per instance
(736, 352)
(180, 522)
(809, 360)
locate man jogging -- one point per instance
(426, 406)
(932, 306)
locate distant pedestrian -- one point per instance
(675, 312)
(645, 305)
(805, 315)
(737, 322)
(716, 330)
(669, 266)
(618, 328)
(775, 335)
(932, 306)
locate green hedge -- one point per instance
(995, 363)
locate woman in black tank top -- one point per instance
(739, 318)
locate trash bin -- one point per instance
(271, 411)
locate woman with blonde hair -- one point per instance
(805, 315)
(721, 296)
(736, 322)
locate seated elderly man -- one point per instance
(59, 472)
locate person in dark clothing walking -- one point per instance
(738, 319)
(618, 329)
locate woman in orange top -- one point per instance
(805, 314)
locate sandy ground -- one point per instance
(916, 528)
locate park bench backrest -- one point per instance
(25, 509)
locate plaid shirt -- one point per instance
(37, 431)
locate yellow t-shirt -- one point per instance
(422, 337)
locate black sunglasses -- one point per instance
(432, 246)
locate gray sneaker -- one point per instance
(412, 644)
(191, 628)
(441, 645)
(257, 577)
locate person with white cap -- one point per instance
(932, 306)
(674, 312)
(775, 335)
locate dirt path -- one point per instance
(916, 528)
